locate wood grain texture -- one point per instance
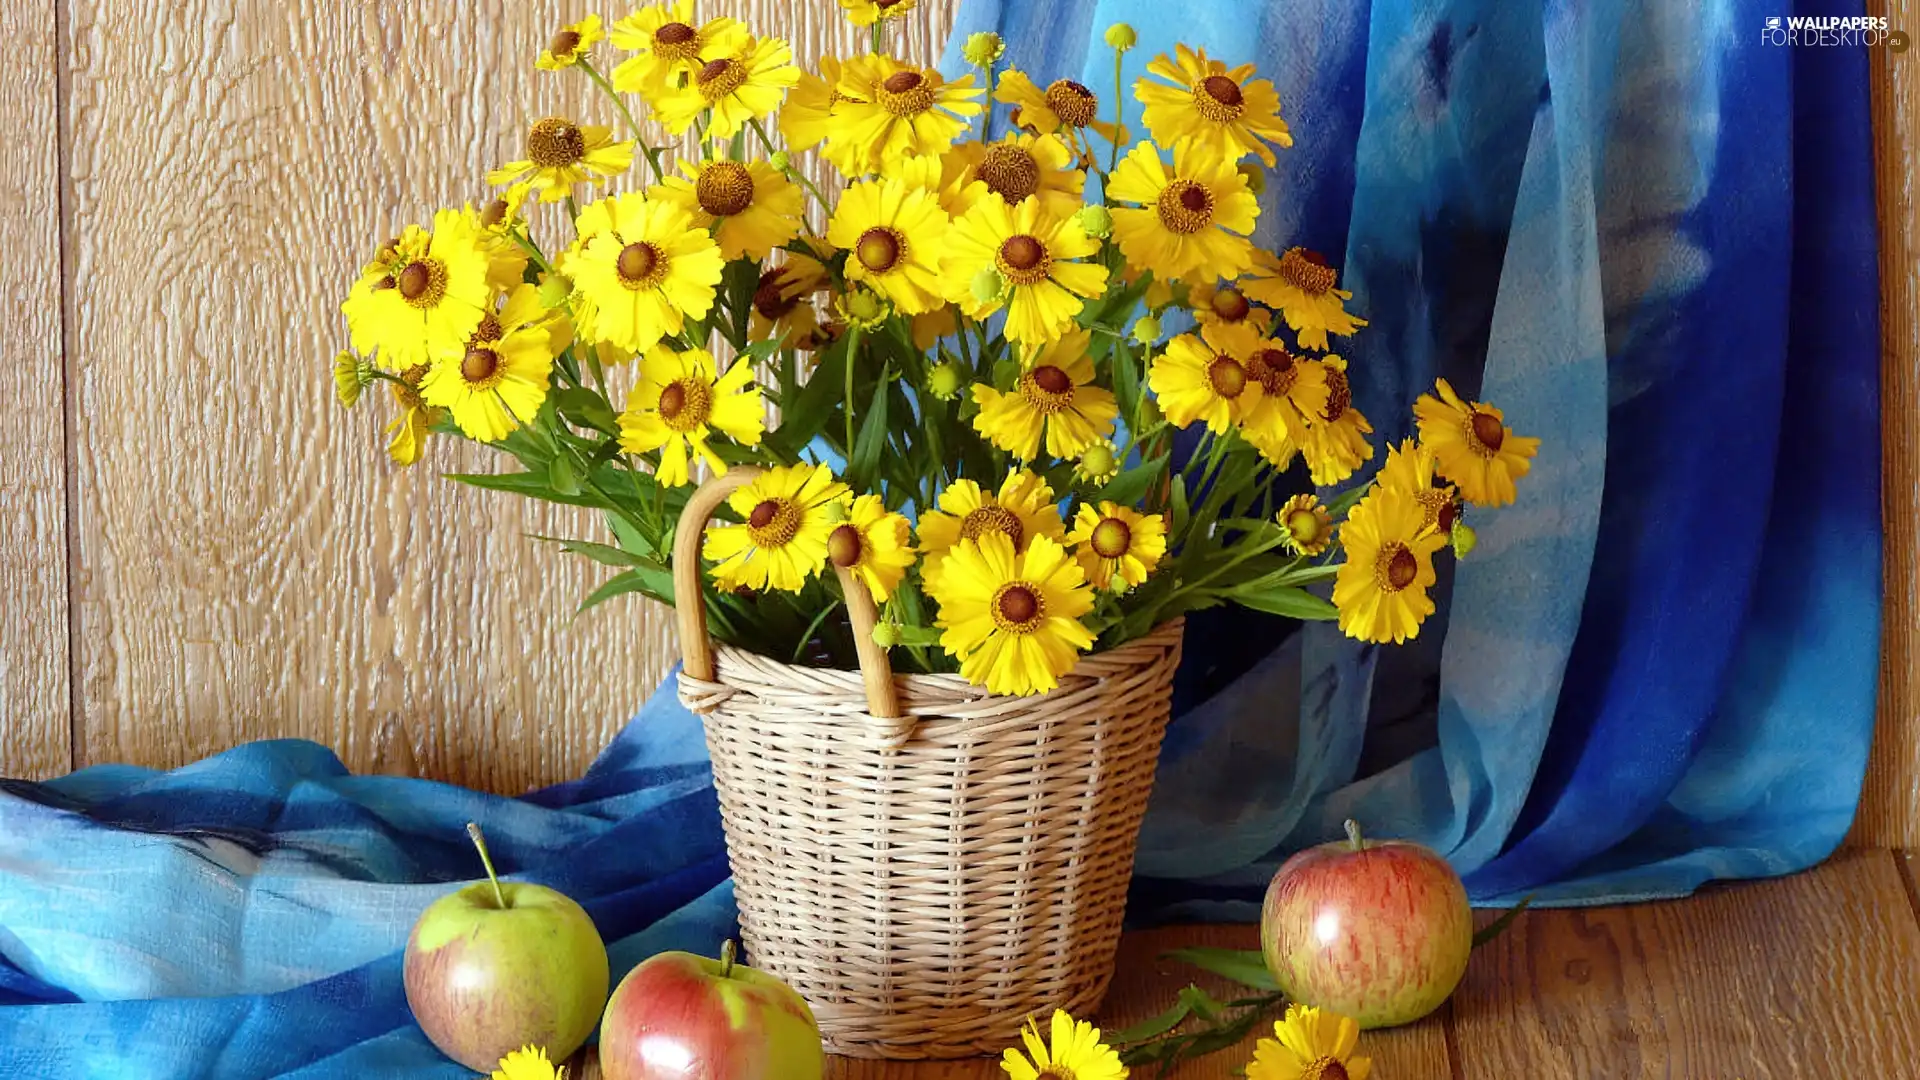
(35, 735)
(1890, 804)
(249, 564)
(1813, 975)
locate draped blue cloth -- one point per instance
(1646, 235)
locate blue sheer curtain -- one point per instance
(1650, 238)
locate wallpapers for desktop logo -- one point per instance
(1830, 31)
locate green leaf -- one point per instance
(919, 635)
(813, 406)
(1244, 966)
(563, 476)
(1131, 486)
(1152, 1026)
(1289, 600)
(532, 485)
(1202, 1003)
(621, 585)
(1499, 926)
(1180, 510)
(870, 441)
(631, 539)
(604, 554)
(586, 408)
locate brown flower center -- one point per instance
(1111, 538)
(494, 214)
(1010, 172)
(992, 519)
(720, 78)
(639, 265)
(1217, 99)
(724, 189)
(676, 41)
(1055, 1072)
(407, 390)
(905, 93)
(423, 284)
(1324, 1068)
(1274, 370)
(1438, 508)
(1048, 389)
(1485, 434)
(555, 143)
(1222, 89)
(1395, 567)
(564, 43)
(1230, 304)
(1307, 271)
(770, 297)
(685, 404)
(879, 249)
(479, 365)
(773, 523)
(1018, 608)
(1185, 207)
(1023, 259)
(1339, 396)
(1073, 103)
(1227, 377)
(844, 546)
(488, 330)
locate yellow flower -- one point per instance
(1381, 589)
(507, 210)
(781, 307)
(1225, 112)
(1309, 1045)
(1307, 526)
(497, 378)
(1212, 303)
(758, 209)
(679, 402)
(561, 154)
(640, 270)
(1021, 510)
(416, 420)
(888, 109)
(1475, 448)
(1291, 390)
(1055, 397)
(666, 43)
(1300, 284)
(1017, 167)
(807, 119)
(929, 327)
(1336, 441)
(894, 234)
(1410, 467)
(1012, 618)
(1076, 1052)
(1098, 464)
(786, 516)
(868, 12)
(422, 292)
(983, 49)
(1035, 252)
(1205, 378)
(741, 85)
(874, 543)
(529, 1063)
(570, 44)
(1063, 105)
(1188, 224)
(1117, 547)
(350, 376)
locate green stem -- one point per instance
(1119, 111)
(533, 252)
(726, 959)
(633, 126)
(486, 860)
(853, 353)
(1353, 836)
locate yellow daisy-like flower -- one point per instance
(868, 12)
(1023, 508)
(666, 43)
(1336, 442)
(641, 270)
(680, 401)
(1194, 219)
(895, 234)
(423, 292)
(1117, 547)
(739, 86)
(1012, 618)
(1475, 448)
(781, 308)
(889, 109)
(1056, 398)
(1076, 1052)
(1219, 303)
(529, 1063)
(1035, 253)
(786, 515)
(1224, 112)
(507, 211)
(1310, 1044)
(561, 154)
(1300, 284)
(1205, 378)
(1409, 467)
(1064, 105)
(1307, 525)
(497, 379)
(807, 119)
(1018, 167)
(1381, 589)
(757, 207)
(1291, 391)
(874, 543)
(416, 420)
(570, 44)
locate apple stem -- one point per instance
(726, 958)
(486, 860)
(1353, 835)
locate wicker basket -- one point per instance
(928, 864)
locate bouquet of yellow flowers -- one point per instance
(950, 362)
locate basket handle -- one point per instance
(696, 648)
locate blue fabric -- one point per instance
(1644, 234)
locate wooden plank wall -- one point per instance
(192, 531)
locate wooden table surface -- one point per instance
(1810, 977)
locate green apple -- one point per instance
(501, 965)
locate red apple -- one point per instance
(684, 1017)
(1375, 930)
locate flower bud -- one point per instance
(1098, 461)
(1120, 36)
(944, 381)
(781, 161)
(864, 309)
(886, 635)
(1255, 176)
(989, 285)
(1096, 221)
(1464, 540)
(983, 49)
(554, 290)
(350, 376)
(1147, 330)
(1149, 413)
